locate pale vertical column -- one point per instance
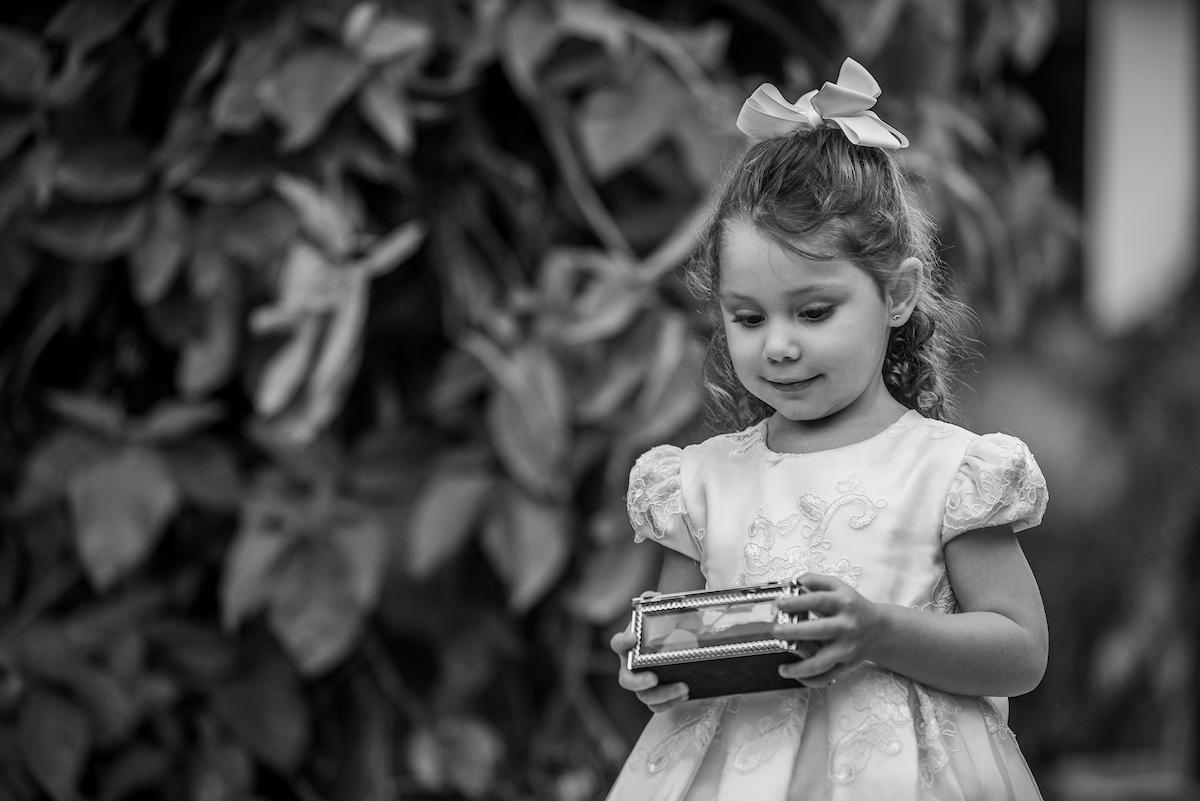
(1141, 143)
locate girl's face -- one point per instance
(806, 337)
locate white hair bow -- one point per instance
(846, 104)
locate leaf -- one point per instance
(386, 109)
(389, 466)
(175, 419)
(76, 77)
(378, 39)
(198, 652)
(154, 263)
(313, 608)
(232, 171)
(307, 89)
(267, 712)
(220, 770)
(1034, 23)
(527, 414)
(393, 249)
(320, 215)
(45, 653)
(55, 740)
(527, 543)
(614, 574)
(528, 36)
(24, 65)
(669, 399)
(102, 168)
(707, 43)
(93, 412)
(457, 754)
(90, 232)
(54, 463)
(155, 28)
(86, 23)
(595, 295)
(134, 769)
(341, 348)
(445, 514)
(360, 536)
(618, 127)
(865, 24)
(120, 507)
(460, 379)
(111, 707)
(206, 472)
(259, 233)
(209, 361)
(237, 108)
(269, 525)
(287, 370)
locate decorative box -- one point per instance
(718, 642)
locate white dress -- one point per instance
(875, 514)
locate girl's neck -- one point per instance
(845, 427)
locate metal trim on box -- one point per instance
(699, 599)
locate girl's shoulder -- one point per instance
(918, 430)
(667, 460)
(955, 446)
(731, 444)
(956, 437)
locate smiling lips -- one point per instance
(790, 386)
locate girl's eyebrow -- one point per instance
(814, 288)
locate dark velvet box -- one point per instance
(718, 642)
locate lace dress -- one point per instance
(874, 514)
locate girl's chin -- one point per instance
(801, 413)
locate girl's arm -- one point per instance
(678, 574)
(996, 645)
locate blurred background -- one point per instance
(330, 329)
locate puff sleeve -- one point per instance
(655, 502)
(997, 483)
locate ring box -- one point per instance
(718, 642)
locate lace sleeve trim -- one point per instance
(655, 500)
(998, 483)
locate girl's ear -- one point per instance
(902, 293)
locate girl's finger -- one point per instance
(657, 708)
(820, 602)
(622, 642)
(829, 677)
(667, 694)
(819, 581)
(819, 630)
(640, 681)
(805, 669)
(819, 663)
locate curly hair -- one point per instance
(818, 195)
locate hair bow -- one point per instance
(846, 104)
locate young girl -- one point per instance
(833, 349)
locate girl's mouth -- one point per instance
(791, 386)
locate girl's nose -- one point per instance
(781, 345)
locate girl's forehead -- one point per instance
(749, 254)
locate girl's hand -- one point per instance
(644, 683)
(845, 625)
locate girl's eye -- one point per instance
(748, 320)
(816, 314)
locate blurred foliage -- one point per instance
(330, 329)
